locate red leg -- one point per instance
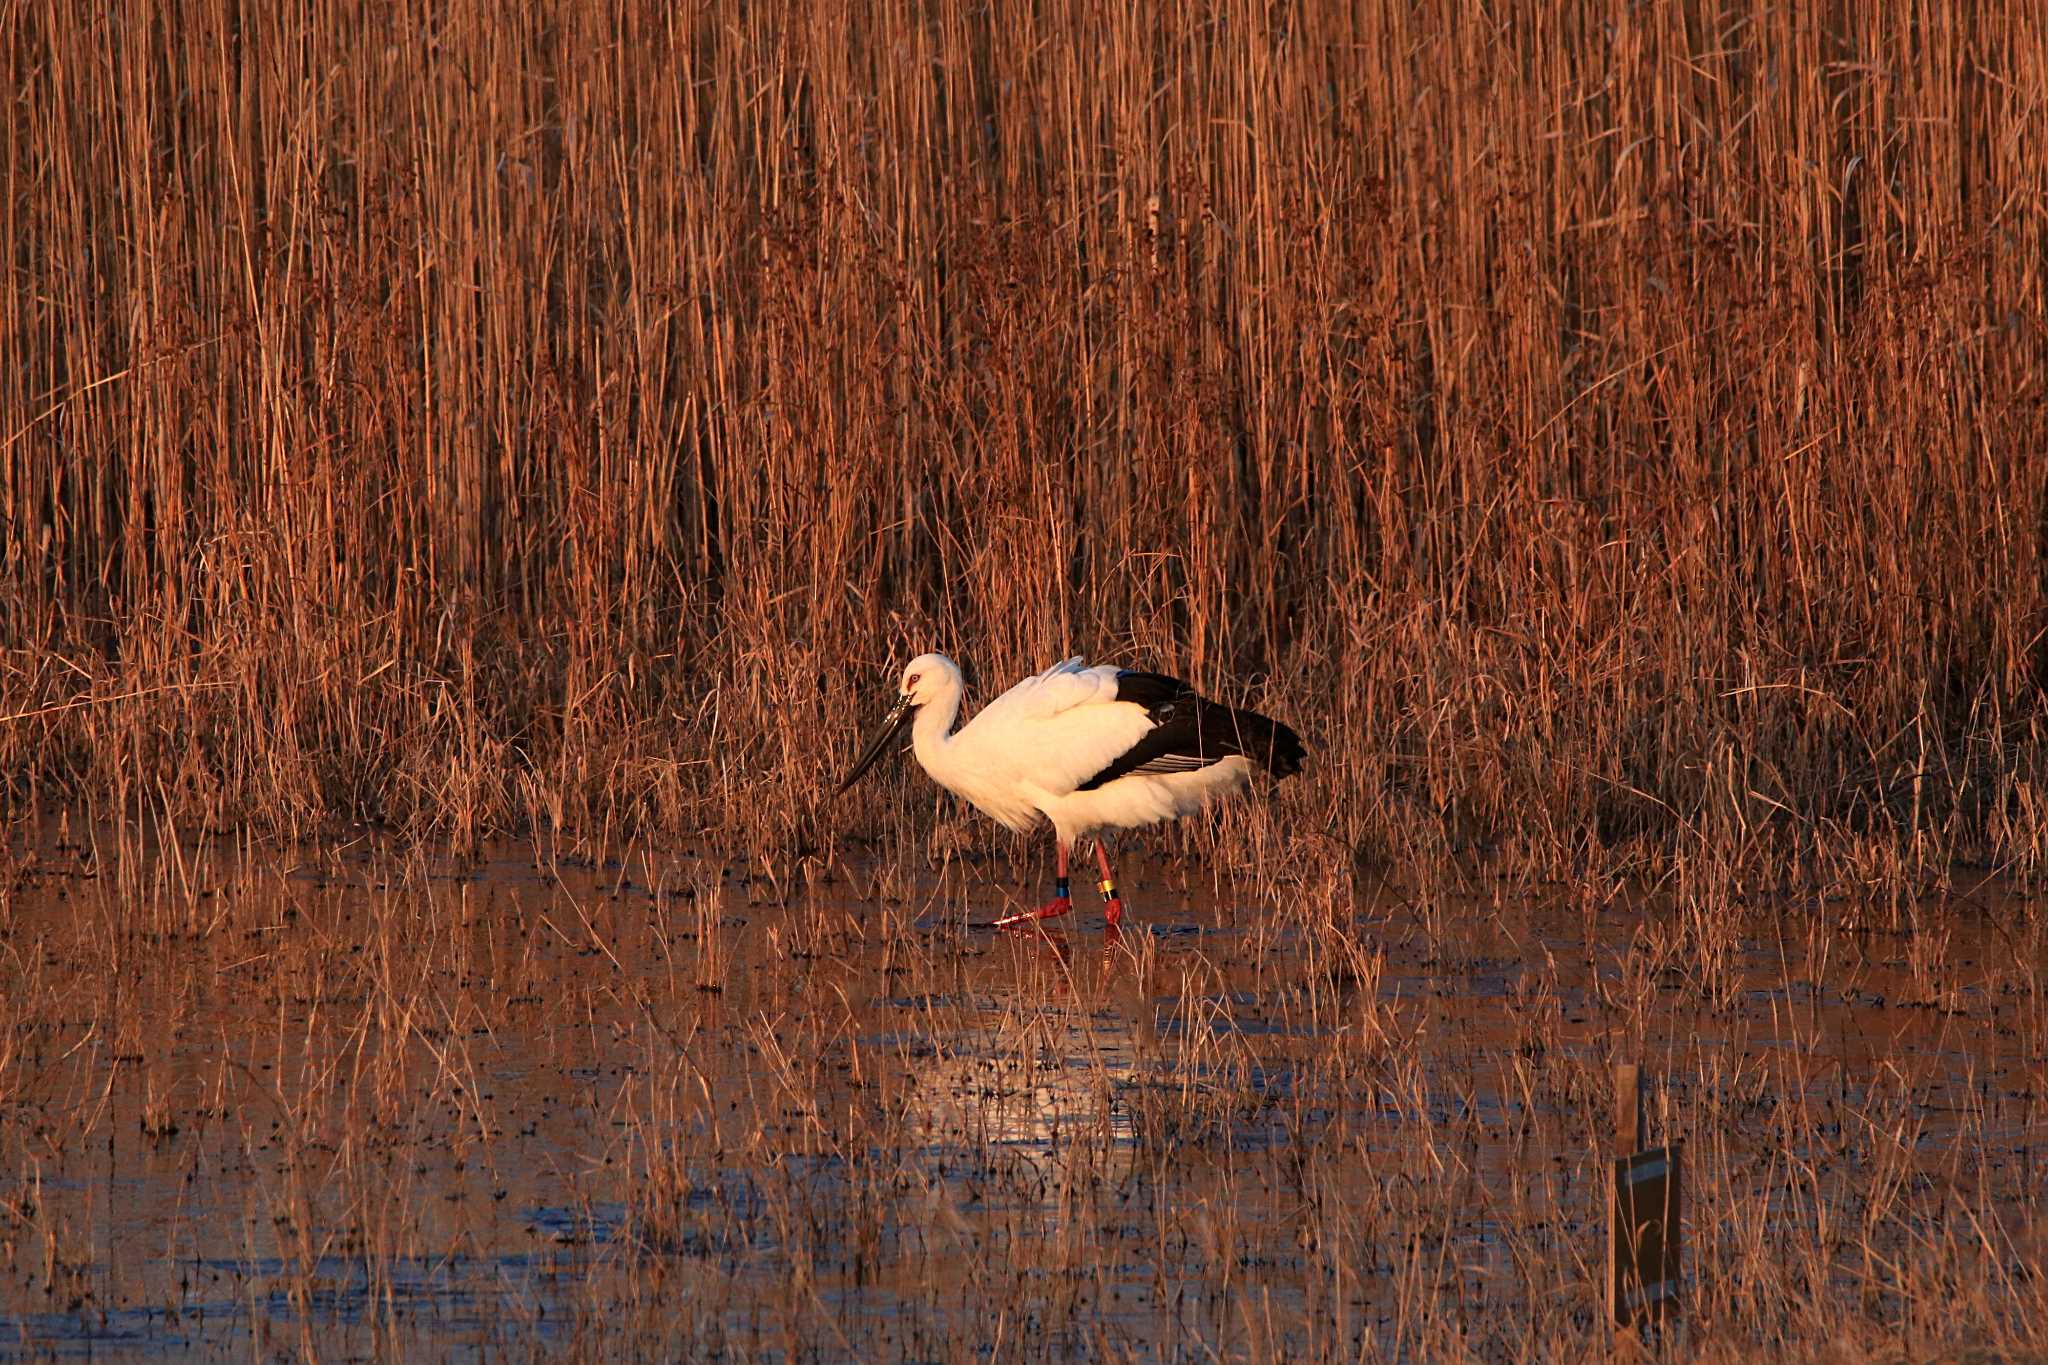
(1112, 904)
(1059, 905)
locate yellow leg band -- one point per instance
(1108, 889)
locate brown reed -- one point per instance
(1613, 432)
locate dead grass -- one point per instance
(385, 1103)
(1612, 432)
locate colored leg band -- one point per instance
(1060, 889)
(1108, 889)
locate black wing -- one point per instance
(1156, 692)
(1190, 732)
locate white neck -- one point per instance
(931, 734)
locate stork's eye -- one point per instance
(910, 683)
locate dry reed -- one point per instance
(387, 1104)
(1613, 431)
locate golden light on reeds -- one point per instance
(1602, 420)
(1611, 432)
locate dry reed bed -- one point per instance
(385, 1103)
(1613, 431)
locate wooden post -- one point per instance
(1629, 1130)
(1644, 1237)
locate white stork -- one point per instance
(1085, 748)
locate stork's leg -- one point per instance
(1112, 904)
(1062, 901)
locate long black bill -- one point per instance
(892, 730)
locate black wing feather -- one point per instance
(1156, 692)
(1190, 732)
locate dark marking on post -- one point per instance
(1645, 1238)
(1646, 1241)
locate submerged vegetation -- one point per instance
(380, 1103)
(467, 472)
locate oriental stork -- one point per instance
(1082, 748)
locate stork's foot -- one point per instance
(1052, 909)
(1112, 903)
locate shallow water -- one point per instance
(361, 1104)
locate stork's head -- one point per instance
(926, 676)
(925, 679)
